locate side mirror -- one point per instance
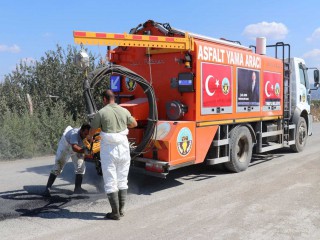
(316, 78)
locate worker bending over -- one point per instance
(70, 145)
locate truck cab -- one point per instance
(300, 100)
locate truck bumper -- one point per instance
(154, 167)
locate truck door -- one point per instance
(304, 95)
(304, 98)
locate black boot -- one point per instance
(122, 200)
(50, 182)
(114, 203)
(78, 189)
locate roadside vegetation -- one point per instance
(38, 100)
(315, 110)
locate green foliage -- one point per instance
(54, 84)
(13, 136)
(24, 135)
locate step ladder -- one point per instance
(282, 51)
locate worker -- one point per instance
(114, 121)
(70, 145)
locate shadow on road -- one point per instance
(30, 202)
(54, 208)
(138, 183)
(145, 185)
(265, 157)
(141, 184)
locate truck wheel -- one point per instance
(301, 136)
(240, 149)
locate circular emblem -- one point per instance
(184, 141)
(225, 86)
(130, 84)
(277, 89)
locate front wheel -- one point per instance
(240, 149)
(300, 136)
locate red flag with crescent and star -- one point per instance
(216, 85)
(272, 90)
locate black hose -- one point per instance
(99, 74)
(90, 104)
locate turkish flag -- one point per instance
(216, 85)
(272, 90)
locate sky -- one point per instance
(31, 28)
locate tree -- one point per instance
(55, 86)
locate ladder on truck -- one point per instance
(135, 40)
(282, 51)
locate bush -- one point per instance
(12, 143)
(25, 136)
(54, 84)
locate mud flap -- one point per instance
(310, 120)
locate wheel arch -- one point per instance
(297, 114)
(252, 132)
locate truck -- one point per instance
(199, 99)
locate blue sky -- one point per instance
(30, 28)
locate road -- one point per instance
(278, 197)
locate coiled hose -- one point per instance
(101, 73)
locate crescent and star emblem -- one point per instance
(207, 86)
(266, 89)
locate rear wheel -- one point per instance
(301, 136)
(240, 149)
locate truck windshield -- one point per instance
(303, 76)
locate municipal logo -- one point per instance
(277, 89)
(225, 86)
(130, 84)
(184, 141)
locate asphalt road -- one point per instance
(278, 197)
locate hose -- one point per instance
(99, 74)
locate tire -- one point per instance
(240, 149)
(301, 136)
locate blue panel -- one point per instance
(115, 83)
(185, 82)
